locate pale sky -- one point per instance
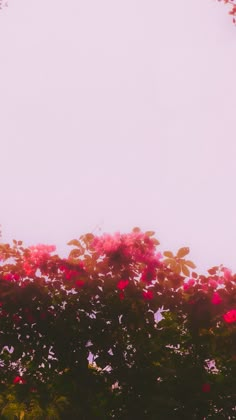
(117, 114)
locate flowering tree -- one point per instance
(116, 330)
(230, 3)
(232, 8)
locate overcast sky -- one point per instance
(115, 114)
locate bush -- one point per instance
(116, 330)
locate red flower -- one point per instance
(148, 295)
(79, 283)
(216, 299)
(122, 284)
(70, 274)
(233, 11)
(121, 295)
(16, 318)
(19, 380)
(206, 387)
(230, 316)
(8, 276)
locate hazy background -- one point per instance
(115, 114)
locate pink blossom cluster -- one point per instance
(218, 277)
(73, 273)
(41, 252)
(38, 255)
(136, 246)
(216, 299)
(11, 276)
(232, 10)
(190, 283)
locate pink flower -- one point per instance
(28, 268)
(39, 253)
(227, 274)
(11, 276)
(107, 243)
(230, 316)
(42, 249)
(8, 276)
(136, 246)
(204, 287)
(216, 299)
(213, 283)
(189, 284)
(206, 387)
(148, 295)
(122, 284)
(19, 380)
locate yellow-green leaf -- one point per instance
(190, 264)
(150, 233)
(75, 253)
(185, 270)
(89, 237)
(168, 254)
(182, 252)
(177, 269)
(22, 415)
(74, 242)
(172, 264)
(168, 261)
